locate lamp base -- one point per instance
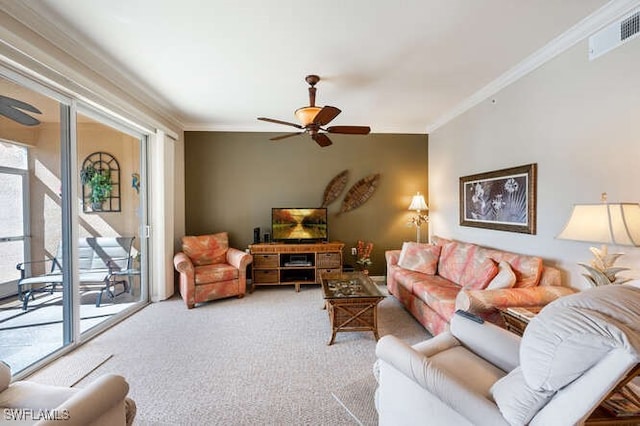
(418, 220)
(601, 270)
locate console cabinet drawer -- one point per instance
(328, 260)
(265, 260)
(265, 276)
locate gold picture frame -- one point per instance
(504, 200)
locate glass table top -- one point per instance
(337, 285)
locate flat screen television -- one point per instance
(299, 225)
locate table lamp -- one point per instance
(418, 205)
(606, 223)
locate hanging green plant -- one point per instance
(99, 181)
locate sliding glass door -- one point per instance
(111, 218)
(32, 313)
(73, 220)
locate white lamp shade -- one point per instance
(607, 223)
(418, 203)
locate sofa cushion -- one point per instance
(505, 278)
(527, 268)
(405, 277)
(439, 294)
(420, 257)
(454, 258)
(478, 272)
(206, 249)
(208, 274)
(517, 402)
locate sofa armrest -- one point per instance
(427, 348)
(238, 259)
(392, 257)
(5, 375)
(182, 263)
(487, 301)
(394, 353)
(503, 350)
(409, 361)
(102, 399)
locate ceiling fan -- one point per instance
(313, 119)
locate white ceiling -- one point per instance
(399, 66)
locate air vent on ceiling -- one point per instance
(630, 26)
(614, 35)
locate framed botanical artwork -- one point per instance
(504, 200)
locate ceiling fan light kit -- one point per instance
(305, 115)
(313, 118)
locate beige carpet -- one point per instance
(357, 398)
(260, 360)
(71, 369)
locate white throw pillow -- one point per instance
(517, 402)
(505, 278)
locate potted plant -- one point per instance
(99, 182)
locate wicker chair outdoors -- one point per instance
(209, 269)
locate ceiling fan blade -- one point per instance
(321, 139)
(288, 135)
(350, 130)
(10, 108)
(325, 115)
(4, 100)
(17, 115)
(286, 123)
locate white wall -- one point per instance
(579, 121)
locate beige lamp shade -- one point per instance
(418, 203)
(607, 223)
(306, 115)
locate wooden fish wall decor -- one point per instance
(335, 188)
(360, 192)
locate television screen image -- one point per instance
(299, 224)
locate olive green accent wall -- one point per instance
(233, 179)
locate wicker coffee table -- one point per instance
(351, 299)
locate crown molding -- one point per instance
(602, 17)
(76, 65)
(258, 128)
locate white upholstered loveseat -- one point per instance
(103, 402)
(570, 357)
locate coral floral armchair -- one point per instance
(209, 269)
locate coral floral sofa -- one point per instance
(433, 280)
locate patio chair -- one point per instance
(99, 261)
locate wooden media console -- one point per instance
(286, 264)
